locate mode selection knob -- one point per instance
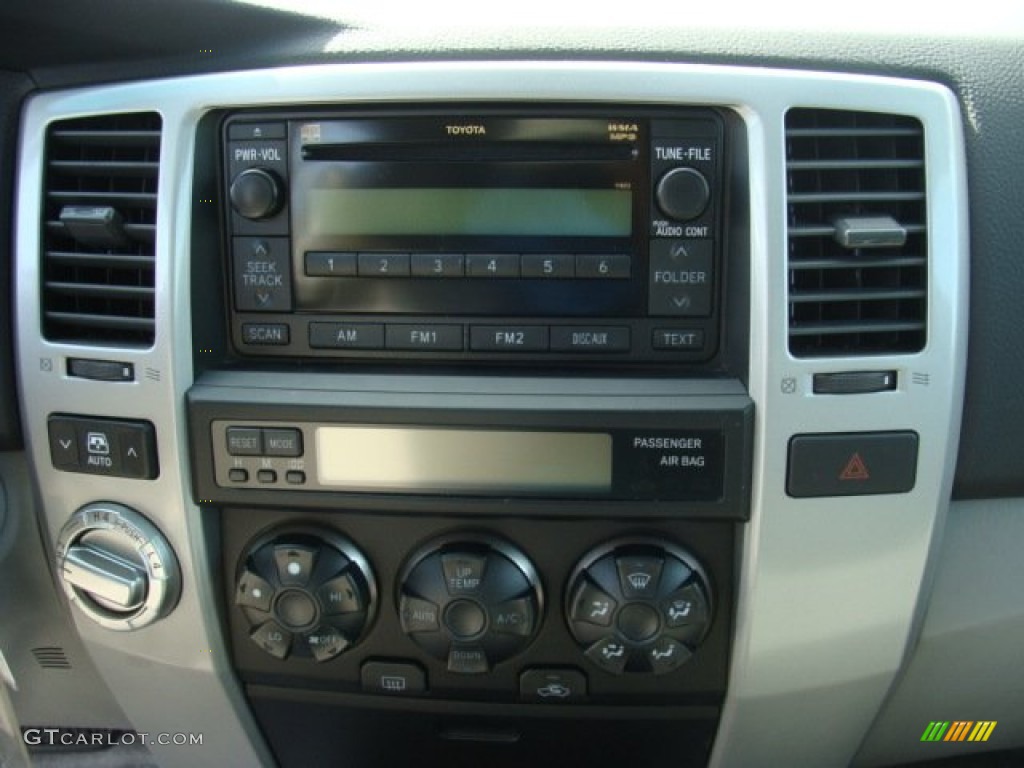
(306, 593)
(257, 193)
(117, 567)
(639, 606)
(470, 602)
(682, 193)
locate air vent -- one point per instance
(99, 229)
(857, 233)
(51, 657)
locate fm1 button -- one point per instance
(392, 678)
(552, 685)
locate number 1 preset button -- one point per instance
(508, 338)
(330, 264)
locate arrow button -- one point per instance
(63, 443)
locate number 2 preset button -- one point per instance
(508, 338)
(383, 265)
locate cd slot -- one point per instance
(504, 152)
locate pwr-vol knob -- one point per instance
(682, 193)
(257, 193)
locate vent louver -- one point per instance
(851, 175)
(99, 229)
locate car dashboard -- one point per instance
(587, 394)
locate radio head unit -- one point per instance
(477, 236)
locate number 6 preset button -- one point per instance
(508, 338)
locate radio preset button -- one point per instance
(383, 265)
(245, 441)
(598, 266)
(330, 264)
(552, 266)
(681, 339)
(346, 335)
(263, 274)
(509, 338)
(282, 442)
(438, 265)
(589, 338)
(680, 277)
(492, 265)
(425, 337)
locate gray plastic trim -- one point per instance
(829, 587)
(966, 665)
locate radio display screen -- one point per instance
(463, 461)
(462, 211)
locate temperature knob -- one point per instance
(257, 193)
(682, 194)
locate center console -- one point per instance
(524, 495)
(494, 413)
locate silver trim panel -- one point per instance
(829, 587)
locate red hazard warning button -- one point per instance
(852, 464)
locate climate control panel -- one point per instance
(559, 612)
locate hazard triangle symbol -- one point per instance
(855, 469)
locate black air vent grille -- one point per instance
(96, 291)
(845, 300)
(51, 657)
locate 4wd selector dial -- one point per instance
(471, 602)
(306, 593)
(638, 605)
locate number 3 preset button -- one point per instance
(508, 338)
